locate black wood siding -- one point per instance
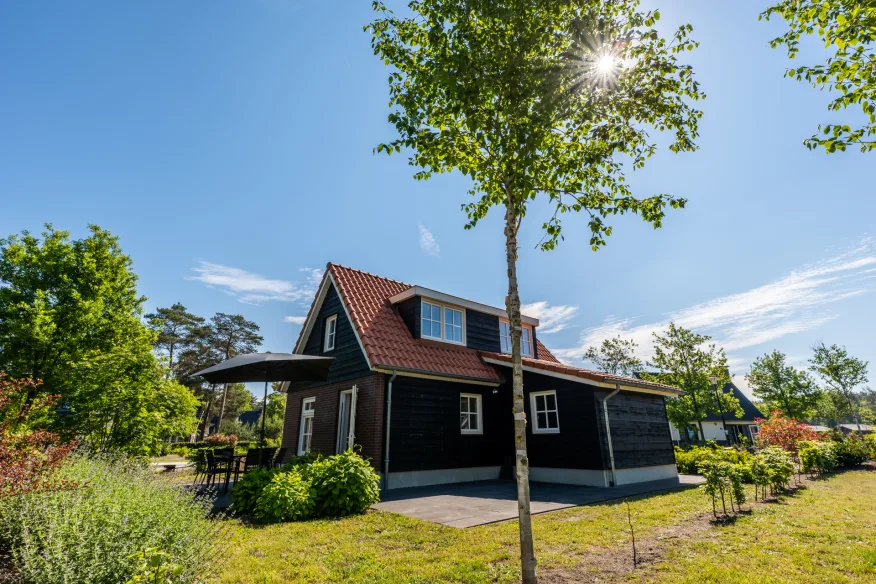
(482, 331)
(411, 310)
(577, 445)
(349, 360)
(424, 428)
(639, 429)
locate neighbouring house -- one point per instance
(421, 383)
(737, 428)
(853, 428)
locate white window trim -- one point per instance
(480, 413)
(531, 337)
(305, 415)
(334, 336)
(443, 339)
(534, 412)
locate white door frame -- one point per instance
(351, 429)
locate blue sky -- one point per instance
(229, 144)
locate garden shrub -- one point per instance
(221, 441)
(246, 492)
(344, 484)
(783, 432)
(760, 475)
(287, 497)
(850, 450)
(816, 457)
(779, 466)
(94, 533)
(688, 461)
(723, 479)
(870, 440)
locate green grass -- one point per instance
(823, 534)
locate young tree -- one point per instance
(684, 361)
(177, 329)
(536, 99)
(617, 356)
(847, 29)
(840, 372)
(782, 387)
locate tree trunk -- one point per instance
(206, 417)
(222, 408)
(527, 547)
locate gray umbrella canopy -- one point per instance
(268, 367)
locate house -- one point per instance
(737, 428)
(853, 428)
(421, 383)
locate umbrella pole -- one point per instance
(264, 413)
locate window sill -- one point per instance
(534, 431)
(471, 432)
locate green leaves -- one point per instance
(848, 29)
(512, 95)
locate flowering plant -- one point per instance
(783, 432)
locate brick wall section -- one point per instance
(369, 417)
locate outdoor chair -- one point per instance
(281, 455)
(217, 463)
(255, 458)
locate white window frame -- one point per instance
(331, 333)
(443, 323)
(306, 415)
(534, 411)
(503, 337)
(478, 413)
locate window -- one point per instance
(308, 407)
(470, 413)
(544, 412)
(452, 325)
(331, 329)
(431, 321)
(443, 323)
(505, 339)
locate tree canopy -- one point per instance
(782, 387)
(70, 315)
(617, 356)
(841, 373)
(685, 361)
(847, 29)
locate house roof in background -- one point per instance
(750, 411)
(585, 375)
(250, 417)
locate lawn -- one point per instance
(823, 533)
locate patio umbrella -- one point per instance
(268, 367)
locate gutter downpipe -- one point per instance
(388, 417)
(608, 433)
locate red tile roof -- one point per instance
(598, 376)
(389, 344)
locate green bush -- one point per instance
(94, 533)
(688, 461)
(779, 466)
(246, 492)
(870, 440)
(816, 456)
(287, 497)
(343, 484)
(723, 479)
(850, 450)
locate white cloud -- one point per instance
(552, 319)
(295, 319)
(428, 243)
(251, 288)
(798, 302)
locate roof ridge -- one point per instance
(330, 265)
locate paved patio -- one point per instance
(472, 504)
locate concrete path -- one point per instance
(472, 504)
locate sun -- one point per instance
(605, 64)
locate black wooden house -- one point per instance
(421, 383)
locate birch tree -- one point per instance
(547, 100)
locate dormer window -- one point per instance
(505, 339)
(443, 323)
(331, 329)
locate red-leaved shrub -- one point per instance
(28, 458)
(783, 432)
(221, 440)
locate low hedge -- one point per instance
(688, 461)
